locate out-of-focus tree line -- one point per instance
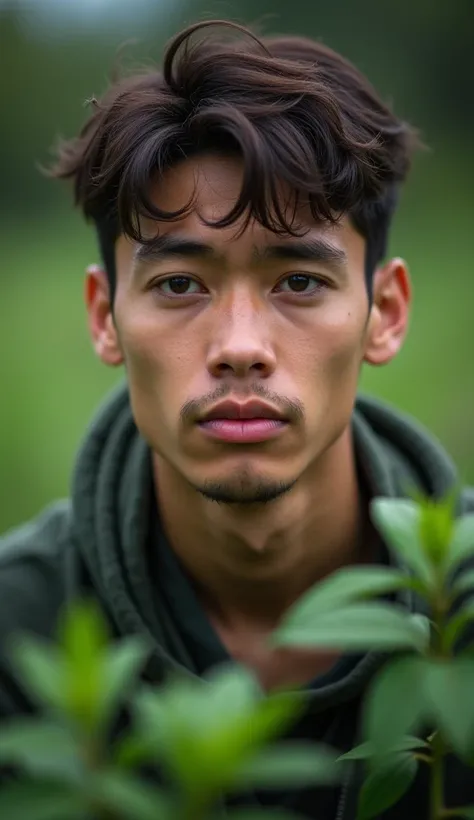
(418, 53)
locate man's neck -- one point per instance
(251, 563)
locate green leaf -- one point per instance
(458, 623)
(122, 667)
(131, 798)
(83, 636)
(464, 583)
(133, 750)
(231, 689)
(366, 751)
(467, 813)
(398, 521)
(385, 786)
(359, 627)
(436, 527)
(345, 587)
(203, 731)
(423, 623)
(41, 748)
(388, 717)
(41, 668)
(186, 713)
(83, 632)
(40, 801)
(290, 764)
(448, 690)
(462, 544)
(223, 752)
(152, 725)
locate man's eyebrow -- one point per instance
(309, 249)
(167, 246)
(306, 249)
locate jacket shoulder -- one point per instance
(37, 536)
(32, 577)
(33, 588)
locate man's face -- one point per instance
(211, 316)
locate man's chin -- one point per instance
(244, 491)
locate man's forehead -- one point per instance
(209, 186)
(195, 224)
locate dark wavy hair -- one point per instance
(295, 111)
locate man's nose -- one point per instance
(241, 343)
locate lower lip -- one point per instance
(248, 431)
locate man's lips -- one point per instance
(243, 431)
(247, 423)
(244, 411)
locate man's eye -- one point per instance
(301, 283)
(178, 286)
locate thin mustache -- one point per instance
(196, 408)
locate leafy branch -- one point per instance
(428, 679)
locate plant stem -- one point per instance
(437, 785)
(195, 808)
(423, 758)
(437, 745)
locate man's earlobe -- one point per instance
(101, 322)
(388, 323)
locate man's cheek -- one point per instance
(336, 356)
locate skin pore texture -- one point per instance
(250, 316)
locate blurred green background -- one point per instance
(55, 54)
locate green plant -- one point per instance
(429, 665)
(204, 736)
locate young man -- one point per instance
(242, 199)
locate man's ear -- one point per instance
(101, 323)
(388, 321)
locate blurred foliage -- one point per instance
(205, 739)
(418, 54)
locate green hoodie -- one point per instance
(106, 541)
